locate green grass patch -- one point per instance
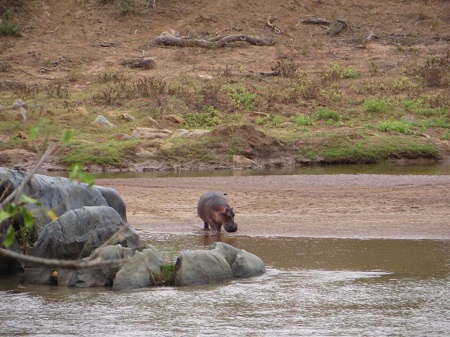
(206, 119)
(166, 277)
(242, 98)
(365, 148)
(327, 114)
(106, 153)
(8, 27)
(189, 149)
(394, 125)
(375, 105)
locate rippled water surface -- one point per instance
(313, 287)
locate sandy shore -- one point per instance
(351, 206)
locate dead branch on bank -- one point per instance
(168, 39)
(335, 26)
(271, 23)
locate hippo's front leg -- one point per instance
(205, 226)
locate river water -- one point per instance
(313, 287)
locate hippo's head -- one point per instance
(228, 220)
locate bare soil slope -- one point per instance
(60, 37)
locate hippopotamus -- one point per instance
(213, 208)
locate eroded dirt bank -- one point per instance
(351, 206)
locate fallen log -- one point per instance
(167, 39)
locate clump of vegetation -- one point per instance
(336, 72)
(208, 118)
(327, 114)
(268, 120)
(110, 153)
(7, 25)
(436, 71)
(375, 105)
(242, 98)
(166, 277)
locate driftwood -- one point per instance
(271, 23)
(140, 63)
(314, 21)
(168, 39)
(335, 27)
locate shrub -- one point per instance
(210, 117)
(390, 125)
(7, 27)
(375, 105)
(242, 98)
(326, 114)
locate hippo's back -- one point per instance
(211, 201)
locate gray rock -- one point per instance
(77, 233)
(140, 271)
(99, 276)
(56, 193)
(243, 263)
(114, 200)
(103, 122)
(201, 267)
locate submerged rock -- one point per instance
(218, 265)
(140, 271)
(201, 267)
(99, 276)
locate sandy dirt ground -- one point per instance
(341, 206)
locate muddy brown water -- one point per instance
(389, 280)
(313, 287)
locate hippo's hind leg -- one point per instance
(205, 226)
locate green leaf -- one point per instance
(28, 219)
(11, 209)
(75, 172)
(4, 215)
(67, 137)
(9, 237)
(29, 200)
(33, 133)
(87, 178)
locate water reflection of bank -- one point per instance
(391, 168)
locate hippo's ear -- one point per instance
(230, 212)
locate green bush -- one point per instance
(7, 27)
(208, 118)
(327, 114)
(242, 98)
(375, 105)
(390, 125)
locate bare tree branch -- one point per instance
(16, 193)
(63, 264)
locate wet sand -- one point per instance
(340, 206)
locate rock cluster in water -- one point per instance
(92, 225)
